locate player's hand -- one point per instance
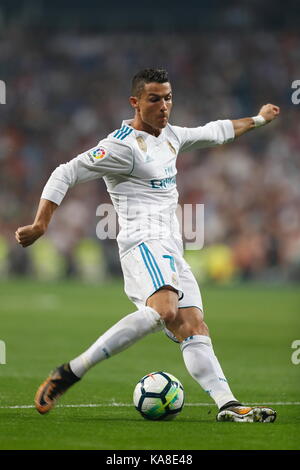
(27, 235)
(269, 112)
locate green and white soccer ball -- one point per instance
(158, 395)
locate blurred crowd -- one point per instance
(66, 91)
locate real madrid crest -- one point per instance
(174, 279)
(141, 143)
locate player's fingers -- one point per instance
(18, 235)
(23, 238)
(24, 233)
(25, 229)
(271, 105)
(26, 241)
(25, 244)
(274, 108)
(19, 241)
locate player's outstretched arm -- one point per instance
(267, 113)
(28, 234)
(87, 166)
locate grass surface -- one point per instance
(45, 324)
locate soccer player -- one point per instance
(138, 165)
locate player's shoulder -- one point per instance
(174, 131)
(123, 134)
(120, 140)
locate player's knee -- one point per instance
(165, 302)
(168, 314)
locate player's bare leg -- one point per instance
(188, 327)
(165, 302)
(188, 322)
(191, 331)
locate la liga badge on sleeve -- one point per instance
(98, 153)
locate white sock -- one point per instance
(204, 367)
(121, 335)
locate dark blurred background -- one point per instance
(68, 67)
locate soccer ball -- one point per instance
(158, 396)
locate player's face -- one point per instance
(154, 105)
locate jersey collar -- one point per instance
(128, 122)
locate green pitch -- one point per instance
(43, 325)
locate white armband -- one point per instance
(259, 120)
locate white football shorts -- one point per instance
(157, 263)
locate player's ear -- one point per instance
(133, 100)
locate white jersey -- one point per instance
(140, 174)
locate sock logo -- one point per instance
(188, 338)
(106, 353)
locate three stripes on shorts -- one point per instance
(152, 266)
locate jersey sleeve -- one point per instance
(106, 158)
(213, 133)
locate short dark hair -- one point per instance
(147, 76)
